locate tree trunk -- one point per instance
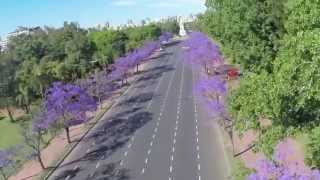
(40, 160)
(10, 114)
(205, 67)
(27, 108)
(3, 174)
(100, 103)
(137, 68)
(68, 134)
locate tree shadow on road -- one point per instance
(155, 73)
(137, 99)
(71, 173)
(111, 136)
(110, 172)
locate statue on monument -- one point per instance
(182, 31)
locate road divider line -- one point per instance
(159, 117)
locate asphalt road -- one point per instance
(156, 131)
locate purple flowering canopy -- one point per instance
(283, 166)
(201, 51)
(68, 104)
(123, 64)
(4, 158)
(41, 120)
(208, 91)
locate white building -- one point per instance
(3, 45)
(20, 30)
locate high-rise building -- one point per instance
(20, 30)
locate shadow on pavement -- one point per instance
(68, 173)
(155, 73)
(111, 136)
(140, 98)
(110, 172)
(114, 133)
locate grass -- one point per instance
(303, 138)
(239, 171)
(9, 133)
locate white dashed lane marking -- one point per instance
(171, 164)
(158, 121)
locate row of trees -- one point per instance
(33, 61)
(66, 72)
(276, 44)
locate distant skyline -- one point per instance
(89, 13)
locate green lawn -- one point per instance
(9, 134)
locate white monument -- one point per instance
(182, 31)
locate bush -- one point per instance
(313, 148)
(269, 139)
(240, 172)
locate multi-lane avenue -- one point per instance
(156, 131)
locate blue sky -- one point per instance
(88, 13)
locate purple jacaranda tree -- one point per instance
(67, 105)
(283, 166)
(120, 69)
(40, 124)
(201, 51)
(99, 85)
(211, 88)
(5, 160)
(209, 91)
(146, 51)
(133, 59)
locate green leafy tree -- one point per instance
(313, 148)
(110, 44)
(248, 30)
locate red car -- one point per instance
(228, 71)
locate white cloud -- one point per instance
(124, 2)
